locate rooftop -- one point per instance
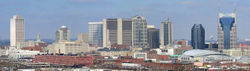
(199, 52)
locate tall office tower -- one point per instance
(227, 36)
(153, 37)
(117, 31)
(95, 34)
(139, 32)
(63, 34)
(198, 37)
(166, 33)
(16, 30)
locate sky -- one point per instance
(46, 16)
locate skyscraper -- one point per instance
(153, 37)
(166, 33)
(198, 36)
(63, 34)
(139, 32)
(95, 33)
(227, 36)
(117, 31)
(16, 30)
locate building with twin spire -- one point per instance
(227, 34)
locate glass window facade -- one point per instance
(166, 34)
(198, 37)
(95, 35)
(227, 24)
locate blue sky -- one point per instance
(46, 16)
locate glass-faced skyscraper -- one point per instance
(95, 34)
(153, 37)
(198, 36)
(166, 33)
(227, 31)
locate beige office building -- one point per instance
(117, 31)
(166, 33)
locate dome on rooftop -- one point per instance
(63, 27)
(199, 52)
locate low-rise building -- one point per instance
(68, 47)
(209, 56)
(17, 54)
(66, 60)
(31, 43)
(115, 52)
(173, 50)
(2, 52)
(140, 55)
(237, 52)
(183, 43)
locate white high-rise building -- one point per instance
(16, 30)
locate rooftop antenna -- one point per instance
(218, 10)
(235, 10)
(167, 19)
(16, 10)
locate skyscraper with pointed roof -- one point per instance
(227, 36)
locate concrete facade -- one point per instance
(117, 31)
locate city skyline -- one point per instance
(40, 17)
(127, 35)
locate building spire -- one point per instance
(218, 10)
(167, 19)
(234, 10)
(38, 38)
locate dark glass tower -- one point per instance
(198, 36)
(153, 37)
